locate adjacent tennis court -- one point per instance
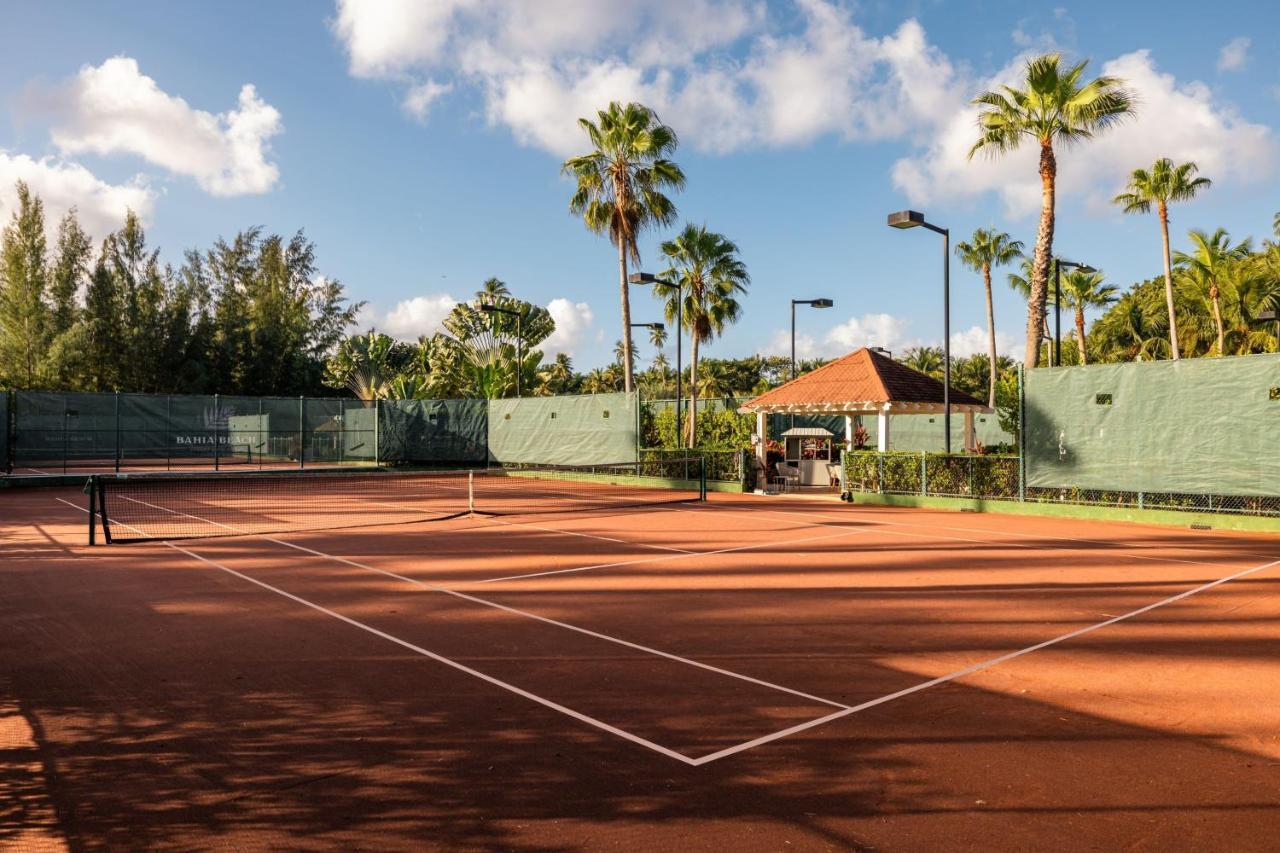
(554, 657)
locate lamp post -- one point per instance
(648, 278)
(812, 303)
(915, 219)
(490, 308)
(1058, 264)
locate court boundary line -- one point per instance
(474, 599)
(841, 712)
(489, 679)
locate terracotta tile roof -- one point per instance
(861, 376)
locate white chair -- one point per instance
(835, 472)
(790, 476)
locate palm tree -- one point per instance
(927, 360)
(1165, 183)
(554, 378)
(620, 187)
(709, 276)
(492, 289)
(712, 382)
(1206, 265)
(1081, 290)
(984, 250)
(1055, 105)
(658, 337)
(1135, 328)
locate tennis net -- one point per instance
(150, 506)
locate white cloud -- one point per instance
(61, 185)
(575, 324)
(973, 341)
(872, 330)
(116, 109)
(421, 315)
(1234, 54)
(724, 72)
(1178, 120)
(418, 100)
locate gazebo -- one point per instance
(864, 382)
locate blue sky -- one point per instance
(419, 143)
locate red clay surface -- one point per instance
(746, 674)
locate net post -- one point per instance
(216, 448)
(702, 478)
(92, 489)
(302, 435)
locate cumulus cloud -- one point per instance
(116, 109)
(61, 185)
(1234, 54)
(575, 326)
(1178, 120)
(418, 100)
(973, 341)
(713, 68)
(421, 315)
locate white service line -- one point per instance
(977, 667)
(862, 519)
(526, 614)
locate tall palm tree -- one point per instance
(1055, 105)
(984, 250)
(621, 186)
(554, 378)
(491, 290)
(1081, 290)
(1135, 328)
(1163, 184)
(658, 337)
(1209, 260)
(709, 276)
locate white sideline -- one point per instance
(517, 612)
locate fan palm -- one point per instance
(1163, 184)
(984, 250)
(1055, 105)
(708, 276)
(492, 289)
(621, 185)
(1210, 258)
(1081, 290)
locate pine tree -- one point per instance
(25, 320)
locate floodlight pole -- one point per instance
(813, 303)
(913, 219)
(1058, 264)
(649, 278)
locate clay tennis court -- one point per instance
(744, 673)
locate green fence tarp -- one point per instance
(434, 432)
(582, 430)
(5, 427)
(925, 432)
(1195, 426)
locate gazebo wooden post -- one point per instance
(762, 430)
(848, 432)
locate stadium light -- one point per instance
(490, 308)
(1058, 264)
(649, 278)
(915, 219)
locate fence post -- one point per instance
(117, 465)
(1022, 435)
(217, 452)
(377, 432)
(924, 473)
(1141, 500)
(93, 506)
(168, 431)
(302, 435)
(880, 471)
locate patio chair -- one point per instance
(790, 476)
(835, 471)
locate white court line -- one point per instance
(977, 667)
(862, 519)
(843, 710)
(526, 614)
(592, 536)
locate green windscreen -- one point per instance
(1205, 426)
(582, 430)
(4, 432)
(432, 432)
